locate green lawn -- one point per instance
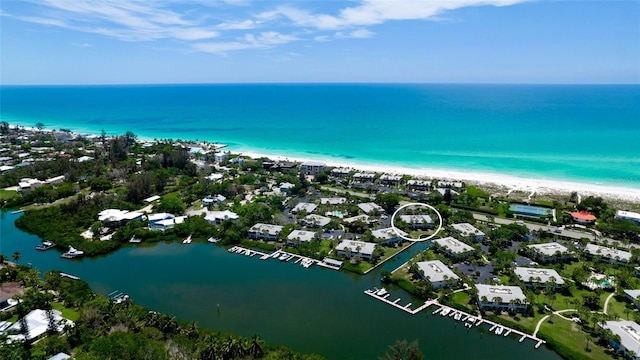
(569, 340)
(8, 194)
(67, 313)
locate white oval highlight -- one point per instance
(396, 230)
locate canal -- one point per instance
(313, 310)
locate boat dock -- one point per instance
(248, 252)
(279, 255)
(118, 297)
(469, 320)
(73, 277)
(46, 246)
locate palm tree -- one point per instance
(16, 256)
(256, 350)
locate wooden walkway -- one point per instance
(303, 261)
(471, 320)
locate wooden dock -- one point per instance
(470, 320)
(297, 259)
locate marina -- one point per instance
(458, 315)
(281, 255)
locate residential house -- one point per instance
(210, 200)
(453, 248)
(501, 298)
(350, 248)
(333, 201)
(316, 221)
(117, 217)
(540, 278)
(388, 236)
(304, 206)
(311, 167)
(628, 215)
(267, 232)
(468, 231)
(299, 236)
(629, 333)
(418, 185)
(583, 217)
(364, 177)
(418, 221)
(37, 322)
(218, 217)
(633, 296)
(606, 254)
(370, 208)
(549, 252)
(437, 273)
(388, 179)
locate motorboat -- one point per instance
(499, 330)
(187, 240)
(445, 311)
(72, 253)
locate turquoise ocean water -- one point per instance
(583, 133)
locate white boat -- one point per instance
(72, 253)
(213, 240)
(382, 292)
(458, 316)
(187, 240)
(499, 330)
(232, 249)
(283, 257)
(445, 311)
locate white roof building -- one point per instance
(417, 219)
(304, 206)
(117, 215)
(453, 245)
(505, 293)
(436, 271)
(316, 220)
(370, 207)
(364, 248)
(159, 216)
(270, 229)
(387, 233)
(37, 324)
(363, 218)
(608, 253)
(629, 332)
(333, 201)
(301, 235)
(628, 215)
(220, 216)
(467, 230)
(545, 276)
(549, 249)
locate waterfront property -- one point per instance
(166, 223)
(298, 236)
(117, 217)
(437, 273)
(388, 236)
(467, 231)
(540, 278)
(628, 215)
(341, 172)
(418, 221)
(218, 217)
(37, 322)
(351, 248)
(364, 177)
(606, 254)
(388, 179)
(267, 232)
(549, 252)
(453, 248)
(629, 333)
(418, 185)
(501, 298)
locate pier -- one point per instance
(280, 255)
(468, 319)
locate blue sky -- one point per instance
(214, 41)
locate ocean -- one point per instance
(580, 133)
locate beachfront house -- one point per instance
(300, 236)
(388, 236)
(606, 254)
(304, 206)
(351, 248)
(364, 177)
(549, 252)
(156, 217)
(418, 222)
(501, 298)
(371, 208)
(266, 232)
(467, 231)
(218, 217)
(388, 179)
(437, 273)
(341, 172)
(540, 278)
(628, 215)
(419, 185)
(312, 167)
(628, 345)
(453, 248)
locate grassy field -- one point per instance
(67, 313)
(8, 194)
(569, 340)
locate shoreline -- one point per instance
(509, 183)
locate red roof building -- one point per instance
(583, 217)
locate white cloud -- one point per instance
(263, 40)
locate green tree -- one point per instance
(388, 201)
(403, 350)
(172, 204)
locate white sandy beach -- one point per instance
(542, 186)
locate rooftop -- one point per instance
(453, 245)
(356, 246)
(301, 235)
(266, 228)
(606, 252)
(505, 293)
(304, 206)
(628, 331)
(466, 229)
(582, 215)
(436, 271)
(370, 207)
(549, 249)
(544, 275)
(387, 233)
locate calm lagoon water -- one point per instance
(312, 310)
